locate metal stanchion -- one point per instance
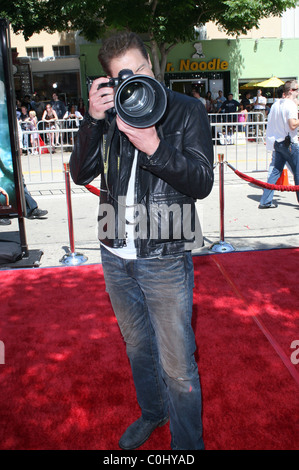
(221, 246)
(72, 258)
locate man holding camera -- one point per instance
(149, 177)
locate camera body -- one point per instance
(115, 82)
(140, 100)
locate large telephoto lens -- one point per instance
(137, 99)
(140, 101)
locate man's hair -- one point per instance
(287, 87)
(117, 45)
(280, 91)
(196, 88)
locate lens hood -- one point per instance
(140, 101)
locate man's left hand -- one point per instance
(146, 140)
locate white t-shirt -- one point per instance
(279, 116)
(262, 102)
(271, 125)
(129, 250)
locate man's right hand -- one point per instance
(100, 100)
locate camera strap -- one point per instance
(106, 146)
(107, 139)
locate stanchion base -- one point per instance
(222, 247)
(73, 259)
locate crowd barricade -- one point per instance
(244, 143)
(43, 158)
(63, 131)
(228, 128)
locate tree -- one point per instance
(162, 23)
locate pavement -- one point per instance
(245, 227)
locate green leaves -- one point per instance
(163, 22)
(168, 20)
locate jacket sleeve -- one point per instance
(184, 158)
(86, 161)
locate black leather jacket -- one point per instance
(167, 183)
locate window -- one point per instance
(61, 51)
(35, 52)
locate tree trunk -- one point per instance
(159, 58)
(159, 74)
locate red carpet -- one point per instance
(66, 381)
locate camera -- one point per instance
(140, 100)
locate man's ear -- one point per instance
(149, 61)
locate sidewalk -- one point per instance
(245, 226)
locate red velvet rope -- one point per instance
(92, 189)
(275, 187)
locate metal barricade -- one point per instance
(46, 149)
(64, 131)
(243, 143)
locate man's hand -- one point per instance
(146, 140)
(100, 100)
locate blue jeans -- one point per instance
(283, 155)
(152, 300)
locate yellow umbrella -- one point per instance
(272, 82)
(251, 84)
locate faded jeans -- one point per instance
(283, 155)
(152, 300)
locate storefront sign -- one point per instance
(186, 65)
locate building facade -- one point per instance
(64, 62)
(46, 63)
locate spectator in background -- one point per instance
(50, 117)
(259, 107)
(209, 102)
(60, 109)
(25, 126)
(27, 102)
(228, 107)
(34, 136)
(39, 106)
(18, 109)
(58, 106)
(72, 117)
(219, 100)
(81, 107)
(196, 93)
(242, 118)
(246, 101)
